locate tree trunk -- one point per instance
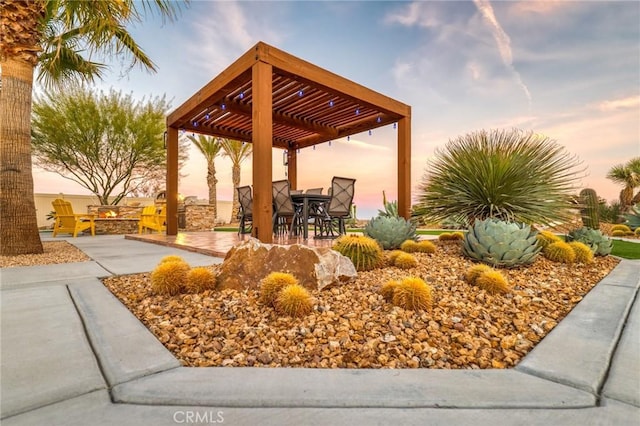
(235, 206)
(626, 198)
(211, 182)
(19, 227)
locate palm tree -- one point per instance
(237, 151)
(52, 35)
(210, 148)
(627, 174)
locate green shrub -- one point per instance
(502, 174)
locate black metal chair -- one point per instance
(286, 216)
(314, 191)
(245, 197)
(332, 223)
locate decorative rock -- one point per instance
(315, 268)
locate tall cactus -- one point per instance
(589, 208)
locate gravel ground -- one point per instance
(352, 326)
(54, 252)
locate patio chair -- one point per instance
(245, 197)
(332, 223)
(68, 222)
(286, 215)
(314, 191)
(153, 220)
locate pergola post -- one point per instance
(404, 167)
(172, 181)
(262, 127)
(292, 168)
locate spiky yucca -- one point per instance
(412, 293)
(294, 300)
(582, 251)
(501, 174)
(426, 246)
(560, 252)
(388, 289)
(547, 237)
(172, 258)
(409, 246)
(472, 274)
(620, 227)
(272, 284)
(200, 279)
(364, 252)
(493, 281)
(406, 261)
(169, 277)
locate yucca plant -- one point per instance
(632, 219)
(504, 174)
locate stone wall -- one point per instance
(116, 226)
(199, 217)
(127, 211)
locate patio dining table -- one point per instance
(309, 201)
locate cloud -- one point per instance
(617, 104)
(503, 41)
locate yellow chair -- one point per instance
(69, 222)
(152, 220)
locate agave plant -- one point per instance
(599, 243)
(509, 175)
(390, 231)
(501, 244)
(632, 219)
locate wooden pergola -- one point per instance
(274, 99)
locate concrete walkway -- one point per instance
(72, 354)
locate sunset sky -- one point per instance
(569, 70)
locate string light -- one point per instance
(369, 132)
(329, 143)
(241, 95)
(331, 103)
(394, 125)
(298, 151)
(223, 106)
(379, 119)
(357, 111)
(206, 117)
(348, 138)
(195, 124)
(314, 147)
(300, 93)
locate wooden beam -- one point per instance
(262, 124)
(292, 168)
(404, 167)
(316, 76)
(172, 181)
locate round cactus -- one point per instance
(582, 251)
(364, 252)
(637, 232)
(392, 255)
(493, 282)
(169, 277)
(172, 258)
(294, 300)
(426, 246)
(406, 261)
(546, 237)
(388, 289)
(475, 271)
(457, 236)
(445, 236)
(560, 252)
(618, 233)
(409, 246)
(412, 293)
(200, 279)
(272, 284)
(620, 227)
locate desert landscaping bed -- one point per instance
(54, 252)
(352, 326)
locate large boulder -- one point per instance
(315, 268)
